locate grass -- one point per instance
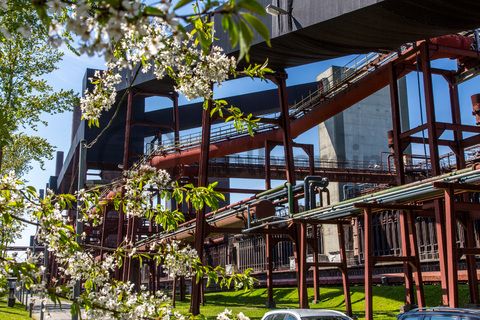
(386, 302)
(16, 313)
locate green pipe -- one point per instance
(290, 199)
(407, 188)
(269, 191)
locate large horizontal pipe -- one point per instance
(420, 190)
(228, 216)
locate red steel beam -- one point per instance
(409, 294)
(344, 269)
(200, 218)
(316, 290)
(368, 262)
(451, 246)
(435, 165)
(126, 149)
(471, 261)
(414, 252)
(268, 251)
(397, 128)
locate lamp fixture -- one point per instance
(275, 11)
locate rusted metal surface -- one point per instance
(397, 128)
(451, 246)
(344, 269)
(368, 258)
(200, 218)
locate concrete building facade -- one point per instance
(356, 136)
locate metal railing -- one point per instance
(300, 162)
(353, 71)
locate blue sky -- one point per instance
(71, 71)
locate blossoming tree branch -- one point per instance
(134, 37)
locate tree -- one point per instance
(25, 57)
(134, 37)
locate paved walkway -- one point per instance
(53, 311)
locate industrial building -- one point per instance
(365, 200)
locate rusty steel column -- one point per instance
(182, 289)
(302, 266)
(435, 164)
(412, 235)
(176, 118)
(368, 262)
(397, 127)
(152, 276)
(311, 158)
(126, 153)
(471, 261)
(268, 252)
(344, 269)
(268, 175)
(430, 110)
(280, 79)
(316, 291)
(133, 228)
(102, 239)
(451, 244)
(200, 218)
(407, 268)
(456, 119)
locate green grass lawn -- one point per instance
(16, 313)
(386, 302)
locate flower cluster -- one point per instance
(193, 70)
(103, 95)
(140, 186)
(228, 315)
(180, 261)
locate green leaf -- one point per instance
(252, 6)
(258, 26)
(153, 11)
(182, 3)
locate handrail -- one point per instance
(353, 71)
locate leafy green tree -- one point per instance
(24, 93)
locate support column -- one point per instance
(430, 110)
(152, 276)
(316, 290)
(456, 119)
(302, 265)
(268, 179)
(412, 235)
(434, 163)
(471, 261)
(102, 238)
(368, 258)
(344, 269)
(268, 252)
(407, 268)
(200, 218)
(126, 149)
(280, 79)
(451, 244)
(176, 118)
(397, 128)
(182, 289)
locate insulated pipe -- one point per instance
(409, 192)
(308, 185)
